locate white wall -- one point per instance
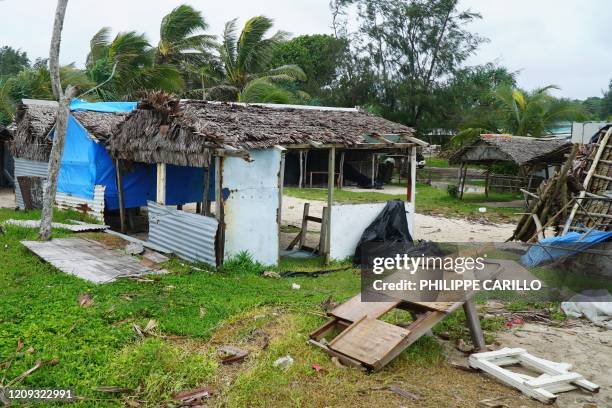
(251, 210)
(348, 221)
(583, 131)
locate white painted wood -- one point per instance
(555, 378)
(161, 184)
(413, 171)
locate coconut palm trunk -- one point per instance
(61, 124)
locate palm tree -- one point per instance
(128, 60)
(182, 41)
(521, 113)
(534, 113)
(246, 61)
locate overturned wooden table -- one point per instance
(363, 340)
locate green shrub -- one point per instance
(452, 190)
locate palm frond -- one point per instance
(263, 91)
(98, 45)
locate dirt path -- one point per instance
(586, 347)
(7, 198)
(426, 226)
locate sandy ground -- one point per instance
(7, 198)
(588, 348)
(427, 227)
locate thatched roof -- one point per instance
(518, 149)
(182, 132)
(36, 118)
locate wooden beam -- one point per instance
(331, 171)
(304, 231)
(473, 323)
(121, 198)
(161, 183)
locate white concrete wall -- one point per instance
(251, 210)
(348, 221)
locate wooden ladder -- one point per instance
(300, 239)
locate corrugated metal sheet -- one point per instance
(189, 236)
(94, 208)
(30, 168)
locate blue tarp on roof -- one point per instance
(86, 163)
(553, 248)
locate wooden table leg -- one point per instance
(473, 323)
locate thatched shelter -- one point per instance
(530, 154)
(35, 120)
(522, 150)
(183, 132)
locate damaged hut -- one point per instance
(535, 158)
(579, 195)
(6, 160)
(87, 179)
(245, 147)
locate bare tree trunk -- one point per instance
(61, 124)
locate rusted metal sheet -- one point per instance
(93, 208)
(87, 259)
(189, 236)
(251, 210)
(27, 168)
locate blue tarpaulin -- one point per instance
(553, 248)
(86, 163)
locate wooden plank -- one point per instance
(369, 340)
(304, 230)
(436, 306)
(354, 309)
(343, 359)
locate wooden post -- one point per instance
(373, 170)
(331, 170)
(322, 237)
(487, 175)
(305, 225)
(301, 179)
(220, 247)
(411, 193)
(473, 323)
(205, 199)
(281, 185)
(121, 198)
(341, 176)
(463, 177)
(161, 183)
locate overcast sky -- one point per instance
(562, 42)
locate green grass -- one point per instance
(436, 162)
(97, 346)
(428, 200)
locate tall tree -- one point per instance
(246, 62)
(411, 46)
(319, 55)
(12, 61)
(61, 124)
